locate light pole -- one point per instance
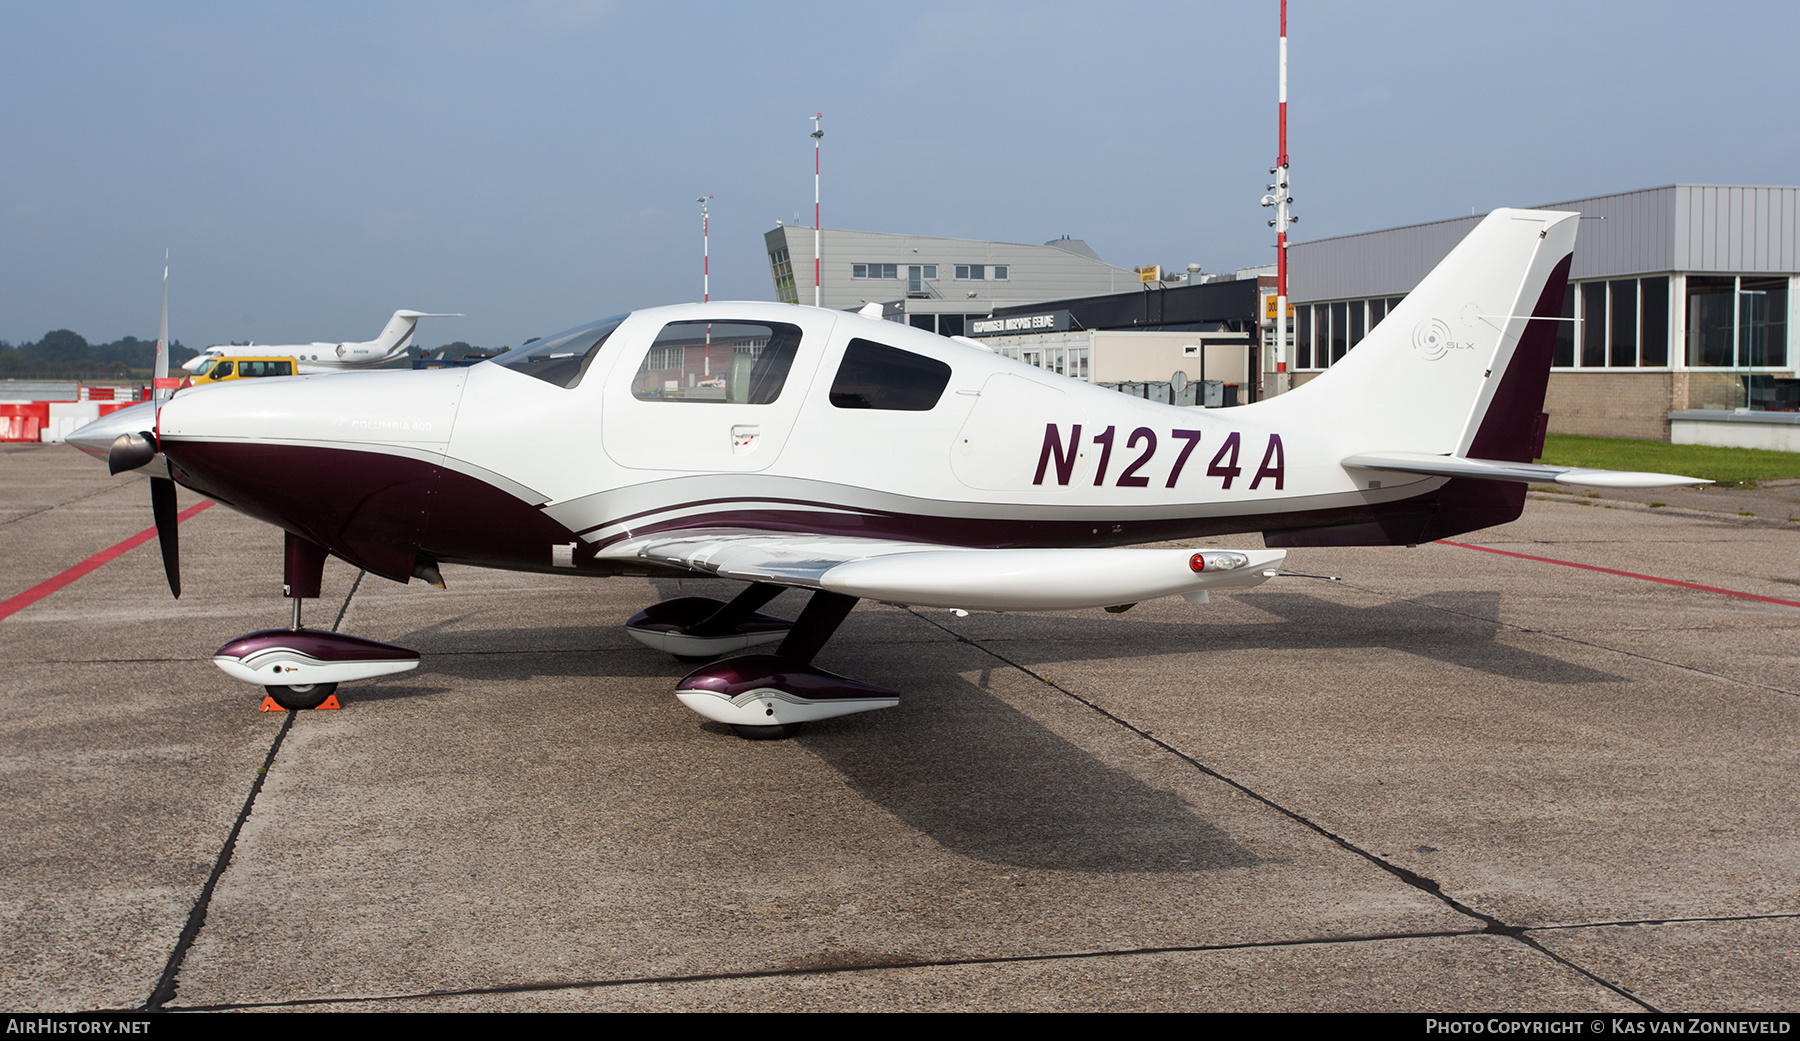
(816, 134)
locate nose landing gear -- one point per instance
(300, 668)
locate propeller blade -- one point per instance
(130, 451)
(162, 507)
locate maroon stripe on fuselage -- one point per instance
(383, 512)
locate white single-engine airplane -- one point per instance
(861, 459)
(395, 337)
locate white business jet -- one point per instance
(395, 337)
(861, 459)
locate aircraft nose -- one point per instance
(401, 408)
(96, 438)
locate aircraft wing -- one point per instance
(928, 575)
(1497, 470)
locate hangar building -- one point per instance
(1682, 298)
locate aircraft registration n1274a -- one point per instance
(792, 446)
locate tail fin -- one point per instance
(399, 331)
(1459, 367)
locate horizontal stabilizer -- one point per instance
(927, 575)
(1496, 470)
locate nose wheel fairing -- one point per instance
(304, 657)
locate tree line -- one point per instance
(66, 354)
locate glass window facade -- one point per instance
(1064, 361)
(1725, 321)
(783, 267)
(1324, 333)
(1736, 321)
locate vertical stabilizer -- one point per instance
(1459, 367)
(398, 333)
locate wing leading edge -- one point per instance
(926, 575)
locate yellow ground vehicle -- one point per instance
(222, 369)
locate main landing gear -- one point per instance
(759, 696)
(299, 668)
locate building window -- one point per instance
(874, 271)
(1623, 342)
(1653, 327)
(1762, 322)
(1000, 272)
(972, 272)
(783, 267)
(1303, 337)
(1563, 351)
(1623, 324)
(1710, 315)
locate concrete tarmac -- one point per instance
(1450, 780)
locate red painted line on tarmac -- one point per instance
(51, 585)
(1626, 574)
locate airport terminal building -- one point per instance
(936, 284)
(1057, 306)
(1682, 300)
(1680, 308)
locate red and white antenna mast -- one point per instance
(705, 252)
(816, 134)
(706, 275)
(1279, 198)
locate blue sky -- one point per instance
(313, 167)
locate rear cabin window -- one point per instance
(741, 363)
(874, 375)
(564, 358)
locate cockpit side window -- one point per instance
(874, 375)
(743, 363)
(562, 359)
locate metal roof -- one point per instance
(1676, 227)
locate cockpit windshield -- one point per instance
(564, 358)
